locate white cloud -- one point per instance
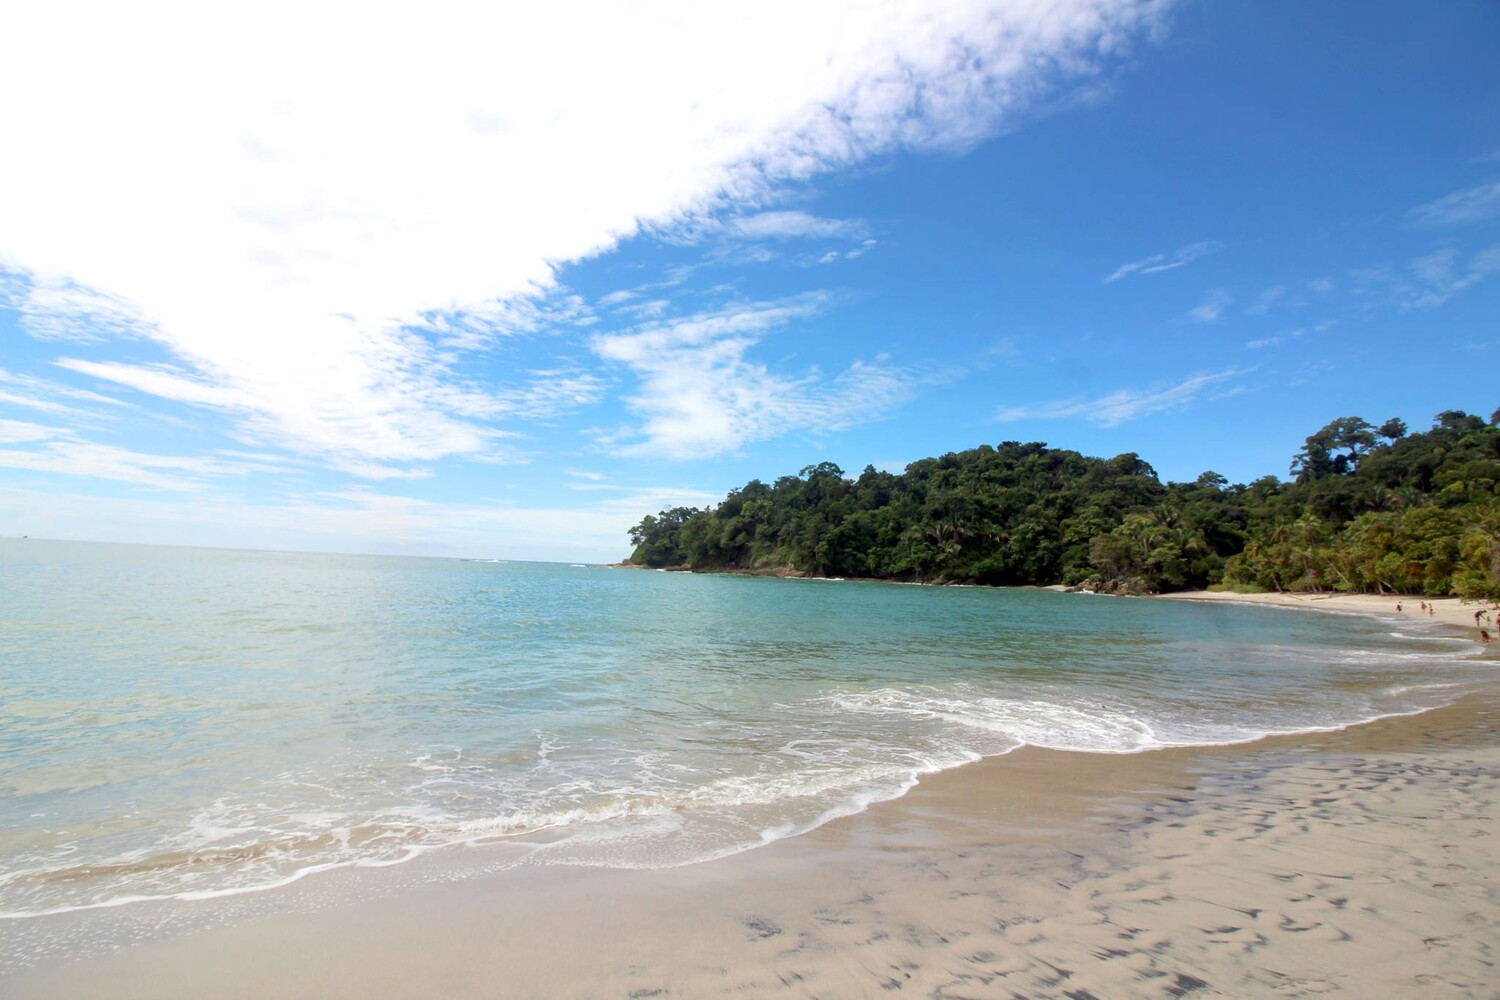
(548, 393)
(1289, 335)
(53, 308)
(476, 327)
(349, 437)
(1269, 299)
(20, 432)
(1115, 408)
(834, 256)
(1442, 275)
(1158, 262)
(1215, 301)
(47, 396)
(793, 225)
(1468, 207)
(64, 453)
(311, 220)
(1428, 281)
(700, 394)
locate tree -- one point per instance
(1335, 450)
(658, 540)
(1458, 422)
(1371, 509)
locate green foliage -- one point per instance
(1335, 450)
(1370, 509)
(660, 541)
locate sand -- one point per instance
(1446, 610)
(1358, 863)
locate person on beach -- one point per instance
(1484, 637)
(1398, 607)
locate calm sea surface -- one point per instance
(190, 723)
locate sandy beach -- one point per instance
(1360, 862)
(1450, 611)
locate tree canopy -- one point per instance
(1368, 509)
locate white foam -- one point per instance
(1431, 638)
(817, 760)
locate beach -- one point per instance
(1449, 611)
(1356, 862)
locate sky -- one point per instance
(466, 280)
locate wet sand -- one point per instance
(1360, 862)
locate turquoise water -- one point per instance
(190, 723)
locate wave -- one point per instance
(847, 750)
(1430, 638)
(647, 830)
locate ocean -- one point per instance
(193, 723)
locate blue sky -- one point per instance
(499, 286)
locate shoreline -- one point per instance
(1037, 871)
(1453, 612)
(1360, 860)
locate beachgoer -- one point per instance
(1421, 605)
(1484, 637)
(1398, 607)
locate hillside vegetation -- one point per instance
(1367, 509)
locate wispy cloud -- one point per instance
(1215, 301)
(1288, 335)
(1122, 405)
(20, 431)
(477, 327)
(794, 225)
(52, 308)
(311, 248)
(47, 396)
(1428, 281)
(700, 393)
(1470, 206)
(363, 442)
(1158, 262)
(1277, 296)
(1443, 274)
(62, 452)
(834, 256)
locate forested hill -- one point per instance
(1368, 509)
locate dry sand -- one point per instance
(1359, 863)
